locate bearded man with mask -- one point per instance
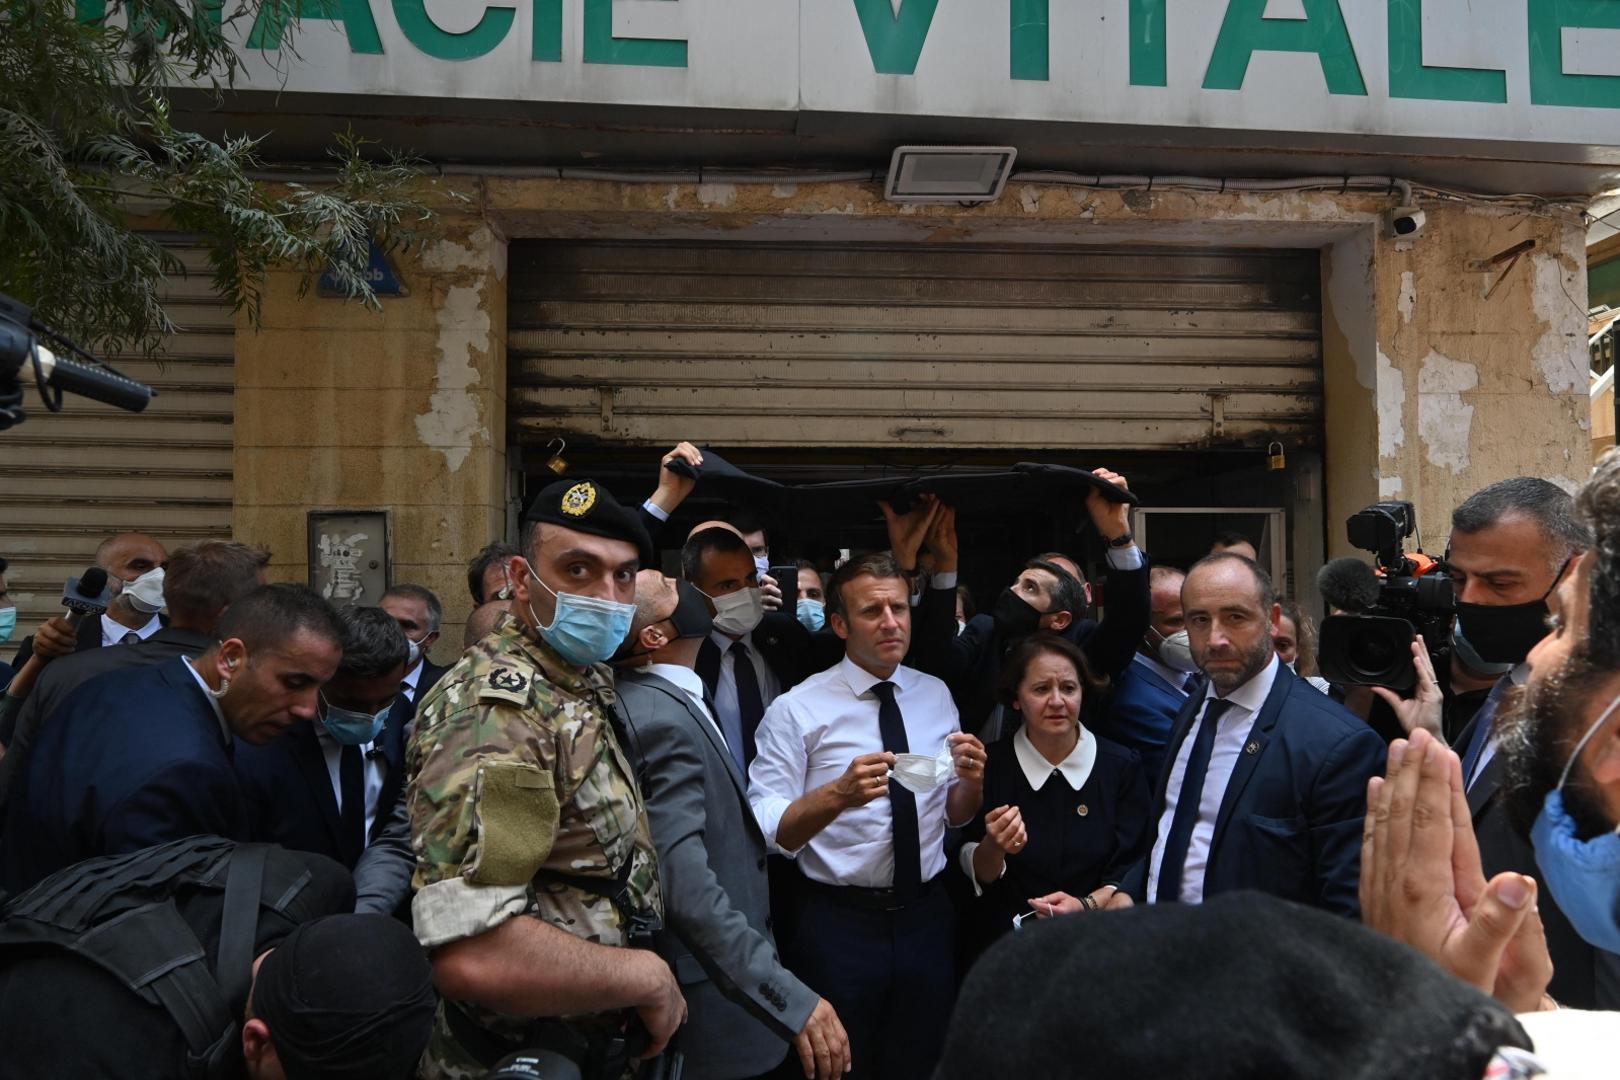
(1148, 695)
(1512, 544)
(745, 1007)
(536, 879)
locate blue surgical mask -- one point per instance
(8, 623)
(1584, 875)
(812, 613)
(584, 629)
(350, 728)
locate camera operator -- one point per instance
(1511, 545)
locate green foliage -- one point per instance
(87, 141)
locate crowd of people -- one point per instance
(843, 821)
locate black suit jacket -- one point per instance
(131, 759)
(970, 662)
(744, 1006)
(1290, 823)
(1584, 977)
(289, 789)
(431, 674)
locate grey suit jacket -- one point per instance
(743, 1006)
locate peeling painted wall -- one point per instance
(343, 407)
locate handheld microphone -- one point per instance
(84, 596)
(1348, 584)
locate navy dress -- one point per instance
(1078, 840)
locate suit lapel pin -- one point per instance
(1252, 748)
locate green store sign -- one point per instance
(897, 36)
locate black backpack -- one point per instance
(118, 912)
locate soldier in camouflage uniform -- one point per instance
(536, 875)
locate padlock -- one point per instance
(556, 462)
(1276, 459)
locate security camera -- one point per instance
(1405, 223)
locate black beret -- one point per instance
(588, 507)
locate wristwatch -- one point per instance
(1124, 540)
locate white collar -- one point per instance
(114, 631)
(860, 680)
(1175, 678)
(413, 676)
(1076, 768)
(726, 641)
(1520, 674)
(684, 678)
(1252, 694)
(208, 694)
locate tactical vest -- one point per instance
(119, 913)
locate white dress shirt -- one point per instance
(725, 689)
(374, 768)
(1231, 734)
(412, 679)
(690, 684)
(113, 631)
(807, 740)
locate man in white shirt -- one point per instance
(743, 1007)
(874, 929)
(1266, 781)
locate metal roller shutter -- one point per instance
(844, 345)
(69, 480)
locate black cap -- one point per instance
(347, 997)
(588, 507)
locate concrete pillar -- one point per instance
(340, 407)
(1446, 371)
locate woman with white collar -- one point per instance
(1065, 811)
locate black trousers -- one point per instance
(890, 974)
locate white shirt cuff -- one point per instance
(966, 860)
(943, 581)
(768, 812)
(1126, 558)
(655, 510)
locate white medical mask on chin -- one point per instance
(146, 592)
(740, 612)
(1175, 651)
(922, 773)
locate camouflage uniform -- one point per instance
(515, 774)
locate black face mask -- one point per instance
(1014, 616)
(691, 618)
(1505, 633)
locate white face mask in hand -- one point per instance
(923, 773)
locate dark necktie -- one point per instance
(352, 814)
(130, 638)
(750, 705)
(1187, 800)
(1193, 683)
(902, 803)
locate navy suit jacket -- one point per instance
(1290, 823)
(1141, 714)
(289, 789)
(130, 759)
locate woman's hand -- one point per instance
(1004, 830)
(1058, 903)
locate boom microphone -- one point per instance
(1348, 584)
(22, 352)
